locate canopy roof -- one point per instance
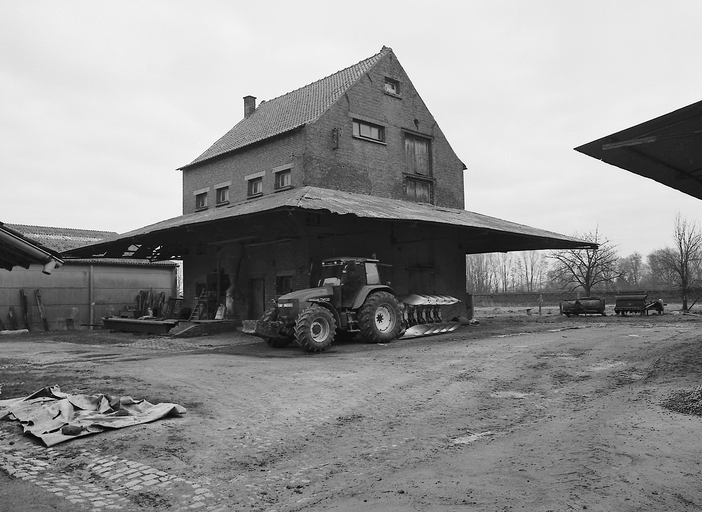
(667, 149)
(237, 222)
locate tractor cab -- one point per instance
(348, 276)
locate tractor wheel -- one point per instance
(315, 328)
(379, 318)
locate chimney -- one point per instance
(249, 105)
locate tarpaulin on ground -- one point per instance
(55, 417)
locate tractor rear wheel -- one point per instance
(380, 319)
(315, 328)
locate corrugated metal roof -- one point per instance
(289, 111)
(667, 149)
(347, 203)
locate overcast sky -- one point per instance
(102, 101)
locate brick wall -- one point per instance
(260, 158)
(368, 167)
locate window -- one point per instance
(392, 86)
(255, 187)
(222, 195)
(283, 179)
(201, 201)
(419, 190)
(418, 155)
(364, 130)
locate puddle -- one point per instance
(605, 366)
(470, 438)
(509, 394)
(559, 355)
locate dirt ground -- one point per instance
(523, 412)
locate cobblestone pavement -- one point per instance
(100, 483)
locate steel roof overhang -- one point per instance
(667, 149)
(478, 233)
(16, 250)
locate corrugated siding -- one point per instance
(66, 292)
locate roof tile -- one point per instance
(291, 110)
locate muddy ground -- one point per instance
(523, 412)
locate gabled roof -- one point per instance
(345, 203)
(667, 149)
(290, 111)
(16, 250)
(61, 239)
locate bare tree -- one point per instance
(659, 275)
(586, 268)
(480, 273)
(683, 260)
(631, 270)
(533, 266)
(504, 267)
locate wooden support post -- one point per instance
(42, 311)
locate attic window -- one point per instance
(365, 130)
(392, 86)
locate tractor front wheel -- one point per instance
(380, 319)
(315, 328)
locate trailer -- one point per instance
(637, 303)
(584, 306)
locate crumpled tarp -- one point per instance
(55, 417)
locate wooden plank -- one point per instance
(25, 310)
(13, 318)
(42, 311)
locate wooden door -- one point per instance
(257, 298)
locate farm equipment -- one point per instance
(351, 300)
(637, 303)
(584, 306)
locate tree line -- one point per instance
(590, 271)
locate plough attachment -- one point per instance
(422, 315)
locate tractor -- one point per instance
(351, 300)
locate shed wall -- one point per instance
(66, 293)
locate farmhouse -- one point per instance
(353, 164)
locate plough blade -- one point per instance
(422, 315)
(417, 331)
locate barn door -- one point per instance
(257, 298)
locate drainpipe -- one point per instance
(91, 302)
